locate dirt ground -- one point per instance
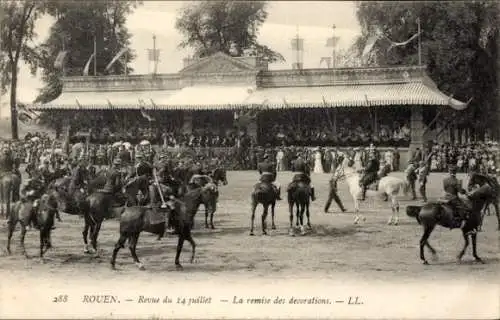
(334, 249)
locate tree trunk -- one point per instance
(13, 103)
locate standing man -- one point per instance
(422, 173)
(411, 177)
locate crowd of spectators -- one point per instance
(474, 155)
(346, 135)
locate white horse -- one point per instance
(391, 186)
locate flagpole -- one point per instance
(333, 47)
(63, 49)
(419, 44)
(95, 56)
(154, 54)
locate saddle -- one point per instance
(155, 216)
(267, 177)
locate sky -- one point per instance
(313, 20)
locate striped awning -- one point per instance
(106, 100)
(414, 93)
(209, 98)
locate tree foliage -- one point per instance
(228, 26)
(77, 22)
(17, 31)
(459, 45)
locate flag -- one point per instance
(370, 43)
(154, 54)
(332, 41)
(298, 44)
(118, 56)
(328, 61)
(87, 65)
(58, 63)
(399, 44)
(145, 115)
(27, 112)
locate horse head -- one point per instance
(219, 174)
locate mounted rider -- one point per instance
(114, 181)
(267, 171)
(452, 187)
(198, 175)
(370, 174)
(302, 175)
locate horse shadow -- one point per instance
(334, 232)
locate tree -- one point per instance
(227, 26)
(77, 23)
(459, 46)
(17, 29)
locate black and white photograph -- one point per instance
(249, 159)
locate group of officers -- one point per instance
(373, 172)
(267, 169)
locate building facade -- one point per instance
(207, 92)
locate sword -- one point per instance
(163, 203)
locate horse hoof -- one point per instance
(426, 263)
(479, 260)
(273, 227)
(113, 267)
(264, 233)
(178, 267)
(251, 233)
(212, 227)
(141, 266)
(389, 222)
(396, 223)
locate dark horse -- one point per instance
(299, 197)
(136, 219)
(264, 194)
(37, 212)
(434, 213)
(209, 197)
(477, 179)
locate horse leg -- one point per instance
(11, 227)
(254, 206)
(180, 243)
(94, 235)
(497, 212)
(193, 245)
(85, 234)
(264, 218)
(23, 234)
(132, 245)
(119, 244)
(290, 208)
(474, 248)
(273, 225)
(302, 209)
(466, 244)
(206, 215)
(423, 241)
(212, 212)
(356, 210)
(308, 216)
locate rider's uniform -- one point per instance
(302, 175)
(267, 171)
